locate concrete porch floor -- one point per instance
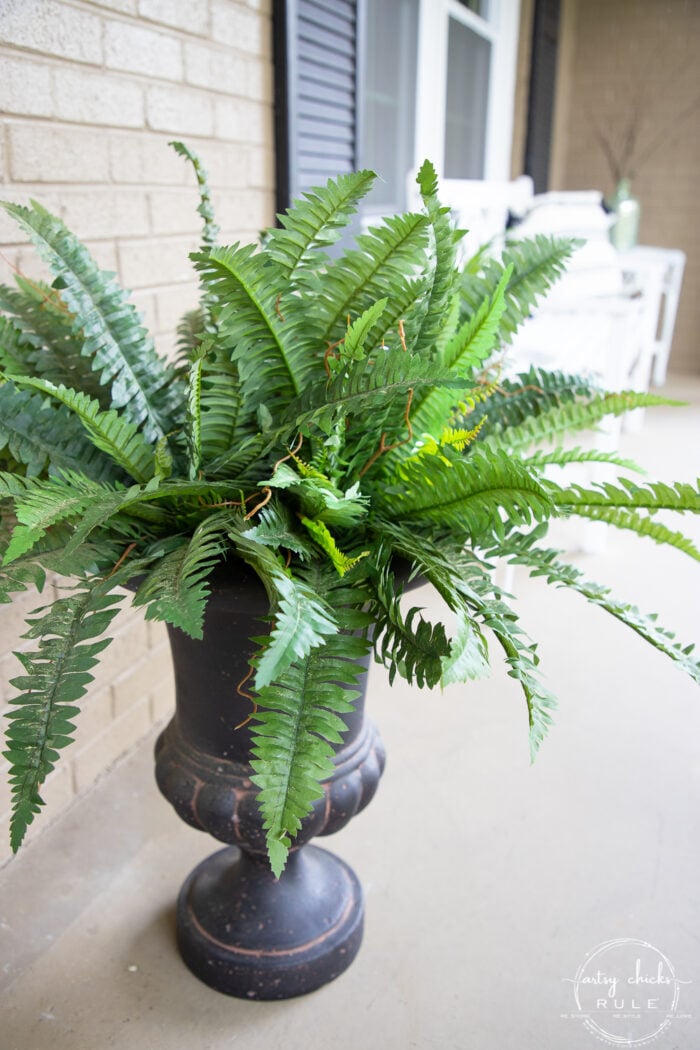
(487, 880)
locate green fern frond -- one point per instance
(444, 274)
(654, 495)
(512, 400)
(112, 335)
(316, 220)
(570, 417)
(50, 346)
(225, 419)
(544, 563)
(110, 432)
(622, 518)
(301, 623)
(386, 254)
(272, 366)
(276, 529)
(16, 353)
(56, 675)
(468, 588)
(535, 264)
(190, 332)
(456, 438)
(562, 457)
(46, 438)
(353, 346)
(176, 590)
(467, 349)
(45, 503)
(51, 554)
(403, 307)
(362, 388)
(468, 659)
(194, 418)
(205, 206)
(476, 496)
(324, 539)
(298, 721)
(301, 619)
(319, 498)
(415, 650)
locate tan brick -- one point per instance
(128, 646)
(5, 795)
(104, 253)
(243, 29)
(261, 168)
(23, 602)
(3, 157)
(183, 14)
(260, 80)
(243, 210)
(31, 266)
(6, 854)
(145, 303)
(157, 634)
(95, 715)
(217, 69)
(126, 7)
(172, 303)
(48, 154)
(10, 667)
(240, 120)
(96, 98)
(226, 164)
(52, 28)
(57, 793)
(161, 705)
(166, 261)
(175, 211)
(143, 159)
(25, 87)
(138, 50)
(166, 345)
(100, 753)
(152, 674)
(183, 111)
(105, 213)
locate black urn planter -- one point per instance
(239, 929)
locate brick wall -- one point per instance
(90, 94)
(615, 57)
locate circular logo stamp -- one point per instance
(626, 992)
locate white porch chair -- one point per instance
(659, 272)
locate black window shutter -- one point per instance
(316, 57)
(543, 73)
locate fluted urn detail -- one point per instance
(239, 929)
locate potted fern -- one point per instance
(332, 429)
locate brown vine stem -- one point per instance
(246, 696)
(290, 455)
(121, 560)
(261, 504)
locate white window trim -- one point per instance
(502, 30)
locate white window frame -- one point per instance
(501, 29)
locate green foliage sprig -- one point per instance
(337, 424)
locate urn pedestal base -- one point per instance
(239, 929)
(243, 932)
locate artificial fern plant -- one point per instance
(330, 421)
